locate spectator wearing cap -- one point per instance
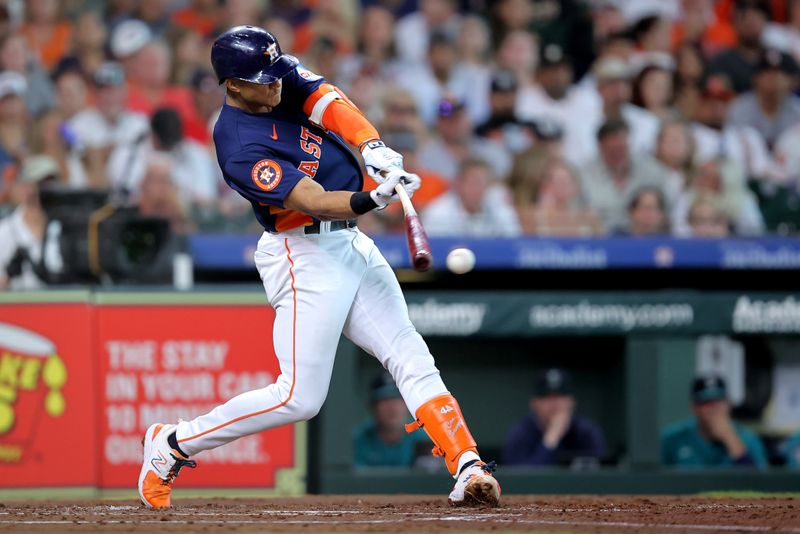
(14, 118)
(454, 141)
(714, 137)
(711, 438)
(613, 78)
(473, 207)
(552, 434)
(48, 33)
(502, 126)
(554, 97)
(147, 63)
(382, 441)
(23, 252)
(738, 63)
(613, 176)
(15, 57)
(770, 107)
(443, 74)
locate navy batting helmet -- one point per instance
(251, 54)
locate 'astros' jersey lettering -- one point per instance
(264, 155)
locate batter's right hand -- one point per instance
(379, 159)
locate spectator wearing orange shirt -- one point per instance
(47, 33)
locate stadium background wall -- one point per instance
(622, 343)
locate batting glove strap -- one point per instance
(379, 159)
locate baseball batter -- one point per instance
(281, 143)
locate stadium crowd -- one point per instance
(547, 117)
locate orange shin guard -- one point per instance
(442, 420)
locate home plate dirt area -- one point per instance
(393, 513)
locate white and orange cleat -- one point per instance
(160, 466)
(475, 486)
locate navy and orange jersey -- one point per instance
(264, 155)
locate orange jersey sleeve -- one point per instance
(330, 108)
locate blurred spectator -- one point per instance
(553, 205)
(738, 63)
(71, 92)
(699, 24)
(555, 97)
(382, 441)
(791, 451)
(14, 119)
(399, 112)
(413, 31)
(770, 108)
(519, 53)
(49, 35)
(653, 36)
(724, 181)
(551, 434)
(474, 207)
(15, 57)
(24, 256)
(653, 91)
(154, 13)
(107, 126)
(207, 96)
(785, 37)
(711, 438)
(612, 177)
(608, 30)
(739, 142)
(455, 142)
(148, 72)
(690, 71)
(158, 195)
(199, 16)
(193, 172)
(473, 42)
(675, 150)
(88, 45)
(443, 75)
(647, 213)
(375, 56)
(52, 136)
(502, 126)
(333, 21)
(707, 218)
(613, 78)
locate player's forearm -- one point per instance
(309, 197)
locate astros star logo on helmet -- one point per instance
(266, 174)
(272, 52)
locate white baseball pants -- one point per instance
(321, 286)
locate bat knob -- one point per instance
(423, 261)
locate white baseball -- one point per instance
(460, 260)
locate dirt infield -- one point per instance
(393, 513)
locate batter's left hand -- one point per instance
(379, 159)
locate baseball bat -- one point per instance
(418, 246)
